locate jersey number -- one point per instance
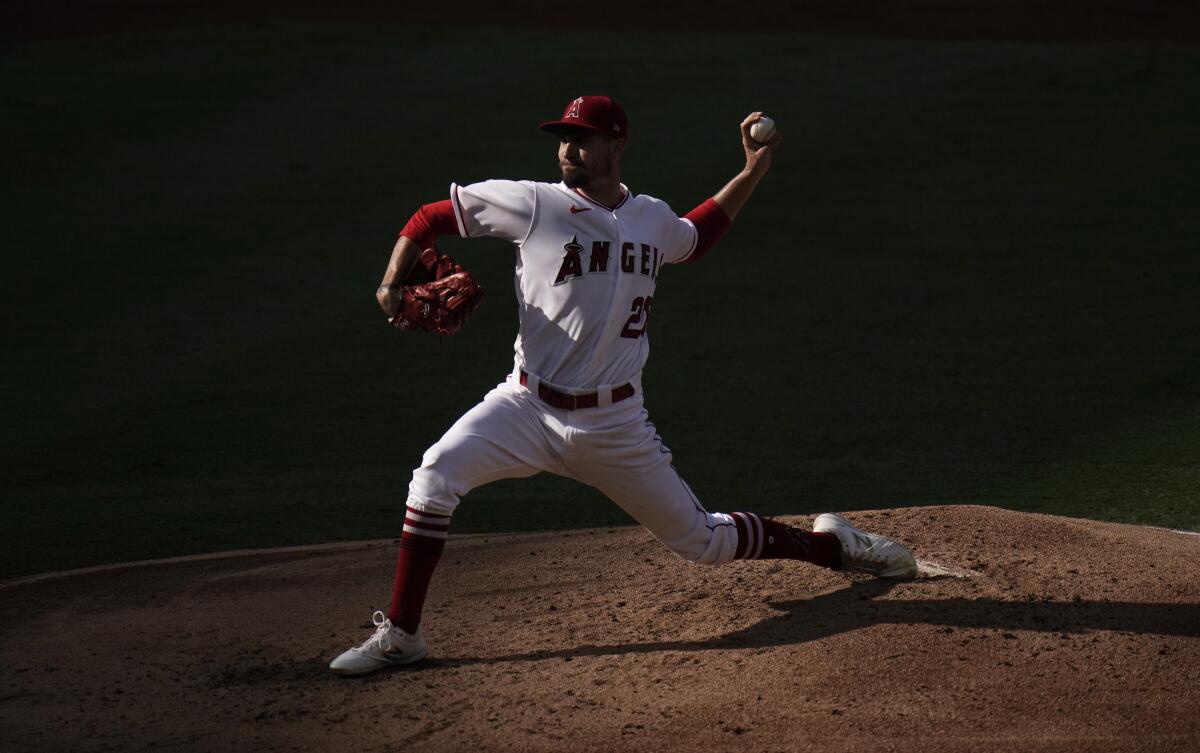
(635, 325)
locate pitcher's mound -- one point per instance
(1026, 632)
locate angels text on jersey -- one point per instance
(636, 258)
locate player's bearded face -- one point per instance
(587, 157)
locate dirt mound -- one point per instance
(1028, 633)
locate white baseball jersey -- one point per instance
(585, 274)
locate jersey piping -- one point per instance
(458, 212)
(460, 216)
(619, 204)
(695, 241)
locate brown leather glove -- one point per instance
(437, 296)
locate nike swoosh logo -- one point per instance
(577, 210)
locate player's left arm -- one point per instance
(422, 229)
(498, 208)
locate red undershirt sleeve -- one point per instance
(429, 222)
(711, 223)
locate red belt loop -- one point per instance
(564, 401)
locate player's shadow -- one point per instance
(857, 607)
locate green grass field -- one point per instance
(972, 277)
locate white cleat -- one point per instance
(388, 647)
(867, 552)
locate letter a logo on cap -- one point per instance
(595, 113)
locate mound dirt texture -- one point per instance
(1028, 633)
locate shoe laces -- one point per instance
(383, 633)
(870, 554)
(873, 553)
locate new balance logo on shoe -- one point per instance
(868, 552)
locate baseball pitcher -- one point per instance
(589, 253)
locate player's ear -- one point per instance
(619, 146)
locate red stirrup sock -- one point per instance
(421, 546)
(765, 539)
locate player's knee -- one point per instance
(703, 558)
(431, 492)
(714, 546)
(698, 553)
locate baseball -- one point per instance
(762, 130)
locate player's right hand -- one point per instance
(758, 156)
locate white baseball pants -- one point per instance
(614, 448)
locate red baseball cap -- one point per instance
(596, 113)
